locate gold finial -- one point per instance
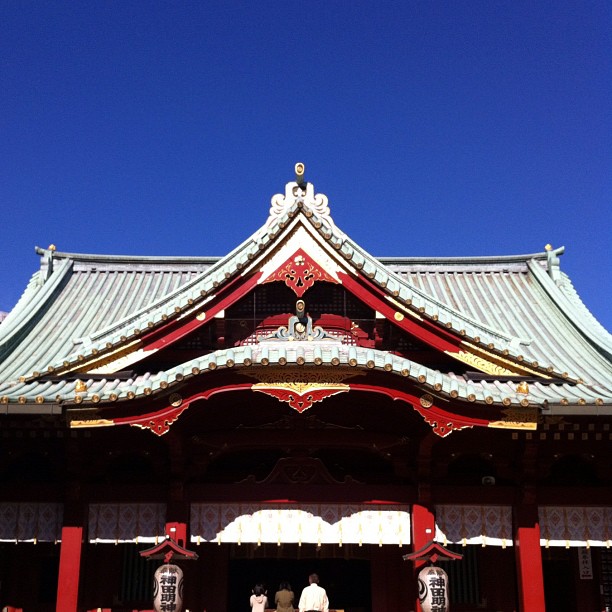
(522, 387)
(51, 247)
(299, 173)
(81, 387)
(548, 247)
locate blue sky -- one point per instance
(435, 128)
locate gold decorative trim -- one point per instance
(480, 363)
(91, 423)
(109, 363)
(513, 425)
(301, 387)
(403, 308)
(517, 418)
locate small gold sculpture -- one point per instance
(80, 387)
(522, 387)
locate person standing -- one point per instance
(313, 598)
(284, 598)
(259, 601)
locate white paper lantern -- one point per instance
(168, 589)
(433, 589)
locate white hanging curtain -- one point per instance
(483, 525)
(30, 522)
(575, 526)
(126, 522)
(301, 523)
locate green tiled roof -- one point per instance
(79, 305)
(307, 355)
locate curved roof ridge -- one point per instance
(440, 306)
(222, 270)
(209, 280)
(331, 231)
(477, 259)
(201, 286)
(564, 295)
(136, 317)
(93, 257)
(36, 294)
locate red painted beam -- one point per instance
(442, 421)
(422, 329)
(69, 570)
(174, 331)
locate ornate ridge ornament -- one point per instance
(301, 194)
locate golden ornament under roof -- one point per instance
(522, 387)
(80, 387)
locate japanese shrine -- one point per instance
(300, 406)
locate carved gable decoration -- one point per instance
(300, 396)
(301, 389)
(299, 273)
(301, 470)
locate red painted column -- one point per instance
(529, 569)
(69, 569)
(423, 531)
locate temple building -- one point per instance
(300, 406)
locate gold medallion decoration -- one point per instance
(427, 400)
